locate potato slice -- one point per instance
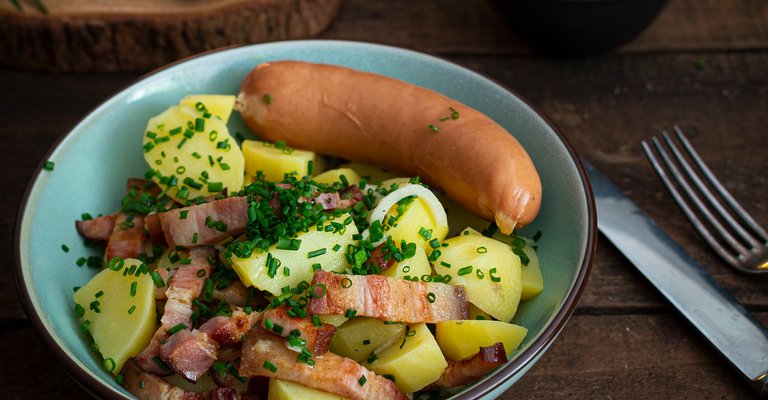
(488, 269)
(533, 281)
(263, 159)
(335, 320)
(192, 156)
(461, 339)
(360, 337)
(416, 266)
(476, 313)
(372, 173)
(219, 105)
(119, 312)
(414, 362)
(286, 390)
(335, 175)
(316, 247)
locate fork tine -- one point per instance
(720, 188)
(704, 190)
(692, 217)
(694, 197)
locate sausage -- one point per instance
(375, 119)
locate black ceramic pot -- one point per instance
(580, 27)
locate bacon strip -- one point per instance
(232, 212)
(230, 330)
(331, 373)
(99, 228)
(127, 239)
(318, 338)
(389, 299)
(183, 288)
(235, 293)
(154, 228)
(146, 386)
(189, 353)
(473, 367)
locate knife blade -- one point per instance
(725, 323)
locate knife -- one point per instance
(725, 323)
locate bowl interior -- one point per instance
(93, 160)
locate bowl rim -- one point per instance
(536, 348)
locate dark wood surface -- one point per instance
(703, 64)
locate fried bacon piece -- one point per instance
(189, 353)
(318, 337)
(381, 257)
(473, 367)
(230, 330)
(207, 223)
(127, 238)
(154, 228)
(146, 386)
(387, 298)
(99, 228)
(184, 287)
(265, 354)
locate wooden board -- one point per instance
(111, 35)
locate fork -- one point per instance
(733, 234)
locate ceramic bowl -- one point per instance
(93, 160)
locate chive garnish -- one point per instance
(269, 366)
(316, 253)
(464, 271)
(350, 313)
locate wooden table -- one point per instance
(703, 64)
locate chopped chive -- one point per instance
(315, 253)
(199, 124)
(79, 310)
(49, 165)
(433, 128)
(316, 321)
(180, 326)
(310, 167)
(65, 248)
(445, 264)
(131, 310)
(134, 285)
(350, 313)
(174, 131)
(288, 244)
(109, 364)
(215, 187)
(157, 279)
(482, 250)
(493, 278)
(269, 366)
(362, 380)
(99, 294)
(479, 273)
(346, 282)
(267, 98)
(464, 271)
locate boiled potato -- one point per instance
(264, 158)
(533, 282)
(476, 313)
(121, 320)
(416, 266)
(296, 265)
(219, 105)
(461, 339)
(359, 337)
(417, 216)
(286, 390)
(370, 172)
(414, 362)
(496, 288)
(193, 156)
(335, 320)
(334, 175)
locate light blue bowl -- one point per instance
(93, 160)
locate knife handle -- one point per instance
(761, 386)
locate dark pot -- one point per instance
(580, 27)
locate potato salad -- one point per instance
(243, 269)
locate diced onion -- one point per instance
(380, 211)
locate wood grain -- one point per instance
(701, 65)
(110, 36)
